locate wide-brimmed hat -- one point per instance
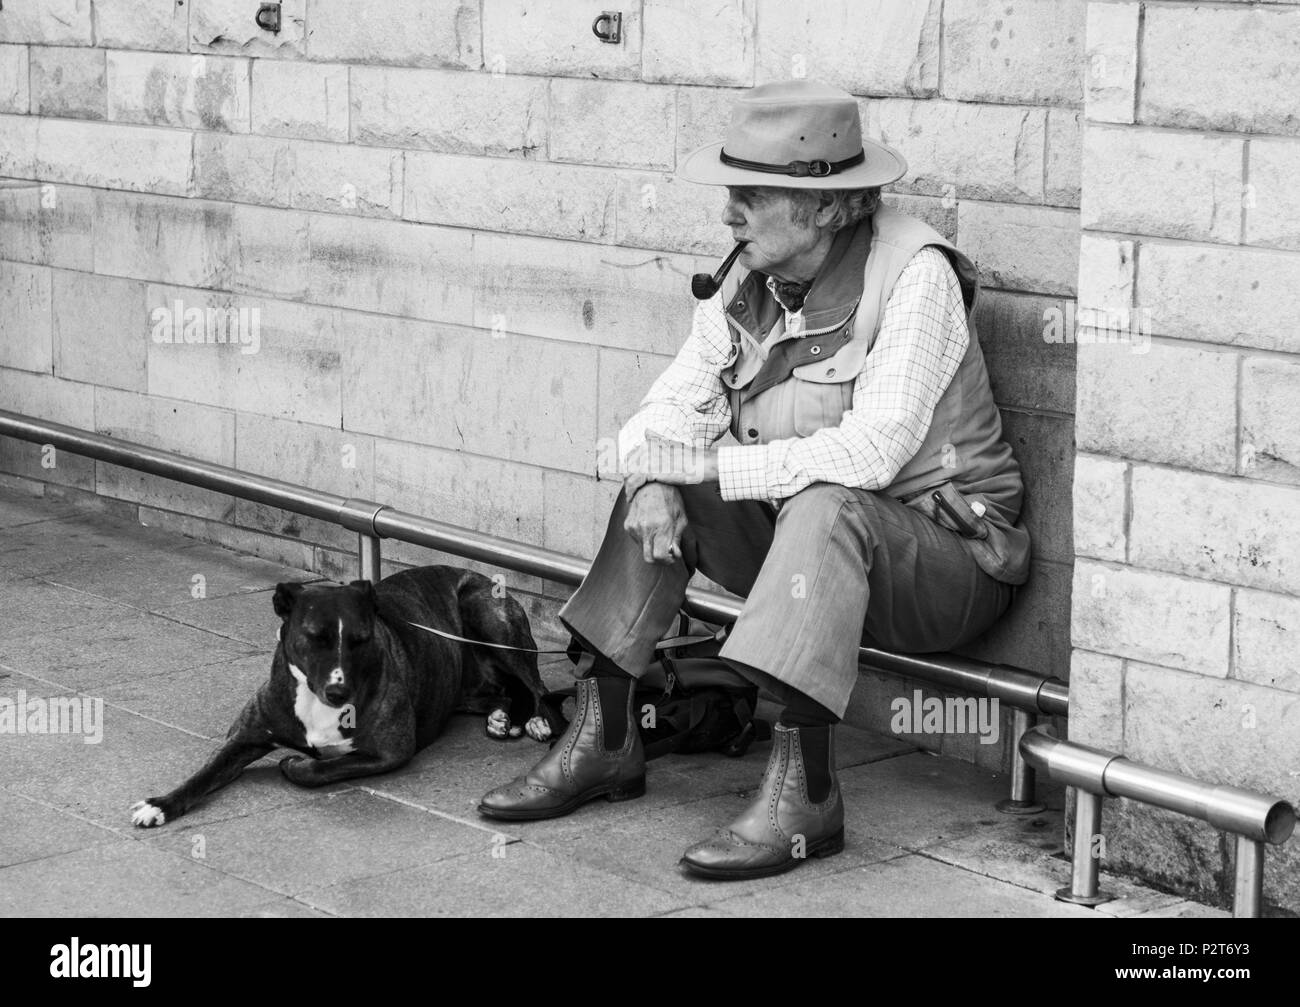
(795, 134)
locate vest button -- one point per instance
(815, 350)
(752, 433)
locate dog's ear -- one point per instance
(286, 595)
(367, 589)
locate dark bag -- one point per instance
(692, 705)
(691, 700)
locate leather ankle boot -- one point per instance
(782, 827)
(577, 769)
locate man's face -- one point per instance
(763, 216)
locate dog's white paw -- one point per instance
(147, 815)
(538, 729)
(498, 724)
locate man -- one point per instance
(870, 498)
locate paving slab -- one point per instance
(670, 781)
(908, 886)
(697, 913)
(13, 585)
(248, 616)
(334, 838)
(204, 700)
(521, 880)
(919, 800)
(156, 573)
(119, 877)
(453, 774)
(284, 908)
(461, 765)
(137, 758)
(99, 553)
(83, 537)
(1132, 900)
(18, 508)
(35, 608)
(33, 830)
(648, 846)
(125, 647)
(144, 577)
(1186, 910)
(1027, 852)
(1021, 851)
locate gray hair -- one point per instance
(847, 206)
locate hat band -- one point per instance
(799, 169)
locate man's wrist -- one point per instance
(639, 486)
(630, 490)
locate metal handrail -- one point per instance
(1027, 693)
(1255, 819)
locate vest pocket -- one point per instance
(955, 512)
(1000, 552)
(948, 508)
(818, 404)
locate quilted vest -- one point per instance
(963, 475)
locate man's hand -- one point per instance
(656, 518)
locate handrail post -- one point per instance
(1086, 858)
(368, 553)
(1023, 779)
(1248, 890)
(359, 516)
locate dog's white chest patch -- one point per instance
(319, 720)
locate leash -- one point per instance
(481, 643)
(676, 641)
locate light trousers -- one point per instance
(833, 569)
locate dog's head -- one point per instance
(327, 635)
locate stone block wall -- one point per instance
(458, 229)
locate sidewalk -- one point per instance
(100, 607)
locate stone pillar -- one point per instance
(1187, 478)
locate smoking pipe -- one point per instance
(704, 286)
